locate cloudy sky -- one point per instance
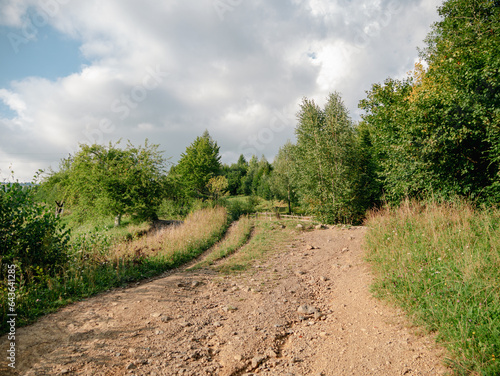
(85, 71)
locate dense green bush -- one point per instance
(436, 133)
(238, 206)
(31, 237)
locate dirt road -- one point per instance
(304, 310)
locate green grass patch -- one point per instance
(97, 265)
(441, 263)
(128, 230)
(268, 237)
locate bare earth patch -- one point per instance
(305, 310)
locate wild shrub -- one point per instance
(31, 237)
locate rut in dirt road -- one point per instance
(304, 309)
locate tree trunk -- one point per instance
(118, 220)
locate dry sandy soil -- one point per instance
(304, 310)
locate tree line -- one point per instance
(434, 134)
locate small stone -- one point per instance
(300, 272)
(217, 324)
(323, 334)
(238, 358)
(165, 318)
(64, 371)
(156, 314)
(345, 250)
(158, 332)
(131, 366)
(272, 354)
(300, 226)
(195, 284)
(180, 284)
(307, 309)
(323, 278)
(318, 315)
(257, 360)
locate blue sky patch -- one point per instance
(50, 55)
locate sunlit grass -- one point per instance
(237, 235)
(174, 241)
(97, 264)
(268, 237)
(442, 264)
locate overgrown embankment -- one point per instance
(95, 266)
(441, 263)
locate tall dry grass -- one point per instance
(97, 265)
(178, 241)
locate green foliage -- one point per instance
(107, 180)
(369, 190)
(235, 174)
(174, 208)
(327, 171)
(92, 268)
(217, 187)
(440, 263)
(239, 205)
(282, 183)
(199, 163)
(436, 134)
(30, 237)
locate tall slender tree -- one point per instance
(282, 183)
(327, 172)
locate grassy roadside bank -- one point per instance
(94, 269)
(441, 263)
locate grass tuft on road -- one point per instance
(441, 263)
